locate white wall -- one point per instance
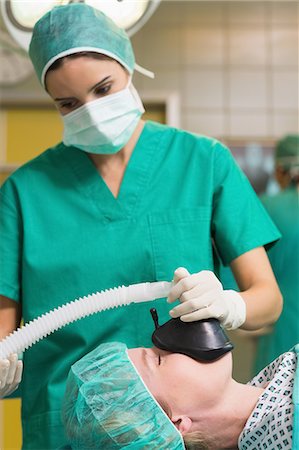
(234, 63)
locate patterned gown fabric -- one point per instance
(270, 425)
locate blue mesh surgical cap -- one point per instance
(75, 28)
(107, 405)
(287, 151)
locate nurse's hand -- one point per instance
(10, 374)
(202, 296)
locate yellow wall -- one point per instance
(25, 133)
(11, 423)
(29, 132)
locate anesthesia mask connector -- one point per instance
(203, 340)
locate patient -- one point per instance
(151, 399)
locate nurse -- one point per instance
(118, 201)
(284, 257)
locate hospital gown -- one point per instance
(270, 425)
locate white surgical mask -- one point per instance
(104, 126)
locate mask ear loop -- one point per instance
(143, 71)
(135, 94)
(129, 82)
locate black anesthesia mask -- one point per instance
(203, 340)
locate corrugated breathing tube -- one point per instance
(42, 326)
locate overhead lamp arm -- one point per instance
(22, 33)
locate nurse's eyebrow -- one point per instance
(89, 90)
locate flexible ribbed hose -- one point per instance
(42, 326)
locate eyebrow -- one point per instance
(144, 359)
(149, 371)
(89, 90)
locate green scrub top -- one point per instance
(183, 202)
(284, 258)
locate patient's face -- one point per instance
(177, 380)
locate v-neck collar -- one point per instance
(138, 171)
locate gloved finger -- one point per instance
(180, 273)
(182, 286)
(4, 369)
(200, 290)
(18, 373)
(194, 304)
(204, 280)
(13, 360)
(200, 314)
(9, 388)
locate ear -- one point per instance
(182, 423)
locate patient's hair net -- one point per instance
(107, 406)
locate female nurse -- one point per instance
(118, 201)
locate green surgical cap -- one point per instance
(107, 406)
(74, 28)
(287, 151)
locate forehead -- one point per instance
(82, 72)
(146, 360)
(86, 65)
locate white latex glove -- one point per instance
(10, 374)
(202, 296)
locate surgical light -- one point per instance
(20, 16)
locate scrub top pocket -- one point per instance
(181, 238)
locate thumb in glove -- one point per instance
(10, 374)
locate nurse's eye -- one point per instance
(159, 360)
(68, 106)
(103, 90)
